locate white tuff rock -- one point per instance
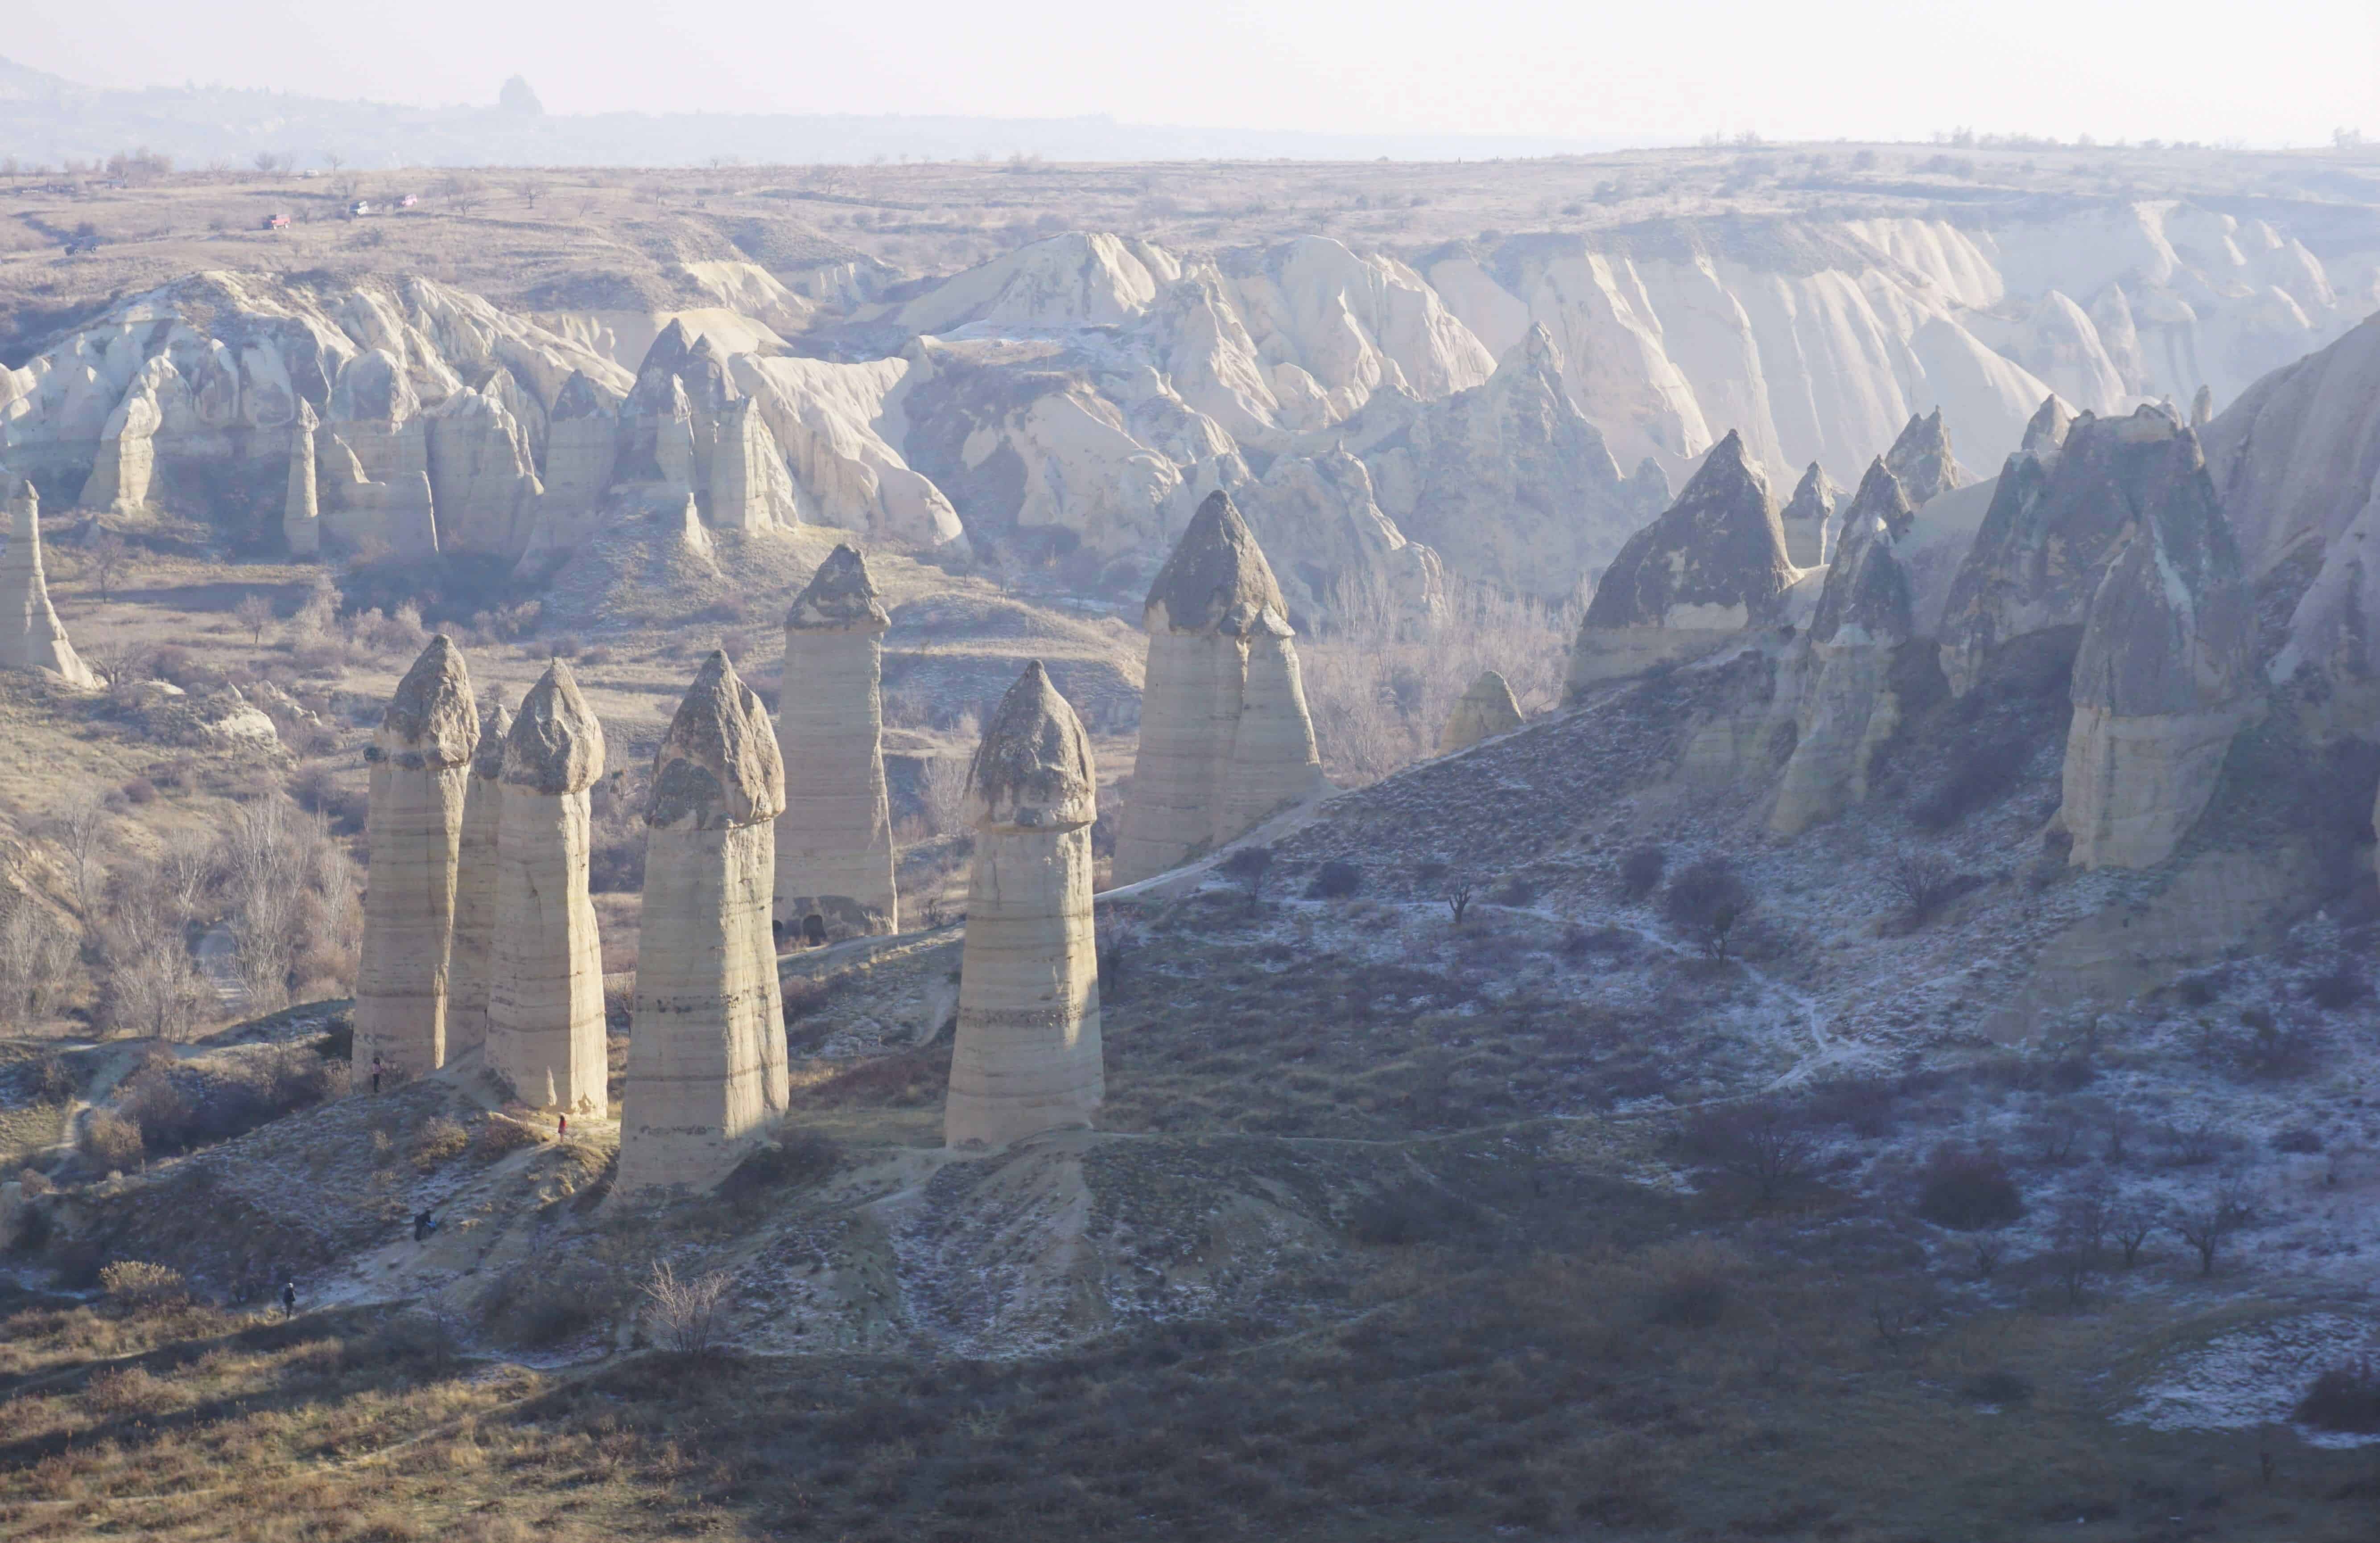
(1486, 708)
(834, 842)
(475, 888)
(31, 636)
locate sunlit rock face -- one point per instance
(31, 636)
(475, 888)
(1485, 707)
(835, 839)
(1027, 1057)
(545, 992)
(420, 762)
(707, 1049)
(302, 506)
(1225, 738)
(1713, 565)
(1921, 462)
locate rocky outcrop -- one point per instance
(1808, 520)
(1225, 739)
(31, 636)
(834, 841)
(1486, 708)
(475, 888)
(750, 489)
(1712, 565)
(1330, 543)
(545, 992)
(2163, 678)
(358, 511)
(2046, 430)
(120, 477)
(707, 1049)
(301, 509)
(483, 482)
(1864, 614)
(2056, 520)
(1027, 1057)
(420, 768)
(1920, 461)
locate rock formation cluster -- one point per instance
(707, 1049)
(1027, 1054)
(420, 762)
(31, 636)
(835, 839)
(545, 987)
(1226, 739)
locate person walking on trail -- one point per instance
(288, 1300)
(562, 1128)
(423, 1225)
(375, 1071)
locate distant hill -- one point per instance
(47, 120)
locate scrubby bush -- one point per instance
(1249, 865)
(2344, 1399)
(1690, 1285)
(1335, 880)
(138, 1283)
(1707, 899)
(1969, 1190)
(111, 1141)
(1763, 1143)
(500, 1135)
(684, 1311)
(179, 1105)
(1641, 869)
(538, 1304)
(439, 1141)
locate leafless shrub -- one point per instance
(253, 613)
(2132, 1222)
(943, 786)
(1709, 899)
(111, 1141)
(684, 1313)
(1923, 883)
(1640, 870)
(2207, 1220)
(37, 957)
(1764, 1142)
(1249, 865)
(80, 828)
(149, 985)
(284, 885)
(138, 1283)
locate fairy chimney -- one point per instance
(475, 890)
(1027, 1053)
(1808, 520)
(301, 509)
(834, 841)
(31, 636)
(421, 763)
(1488, 708)
(545, 982)
(1225, 738)
(706, 1052)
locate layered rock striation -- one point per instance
(1713, 565)
(545, 992)
(1225, 738)
(420, 760)
(707, 1050)
(31, 636)
(835, 839)
(1027, 1058)
(475, 888)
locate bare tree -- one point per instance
(943, 788)
(81, 830)
(254, 613)
(37, 951)
(2132, 1223)
(1459, 888)
(149, 985)
(685, 1312)
(1708, 898)
(107, 557)
(1923, 882)
(1249, 865)
(2210, 1218)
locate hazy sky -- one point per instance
(1657, 71)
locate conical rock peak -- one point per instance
(557, 744)
(1217, 579)
(839, 597)
(1034, 768)
(718, 764)
(431, 719)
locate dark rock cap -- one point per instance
(1720, 544)
(1033, 769)
(719, 763)
(1217, 579)
(432, 720)
(840, 597)
(1814, 497)
(557, 744)
(581, 397)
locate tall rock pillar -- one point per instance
(31, 636)
(475, 890)
(545, 986)
(1226, 739)
(707, 1055)
(1027, 1053)
(421, 762)
(301, 509)
(834, 841)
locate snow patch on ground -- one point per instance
(2255, 1375)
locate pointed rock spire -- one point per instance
(1217, 579)
(1921, 458)
(1716, 559)
(31, 636)
(475, 887)
(431, 719)
(2201, 407)
(2047, 429)
(301, 508)
(840, 596)
(718, 764)
(1867, 590)
(556, 743)
(1808, 518)
(1033, 769)
(1486, 708)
